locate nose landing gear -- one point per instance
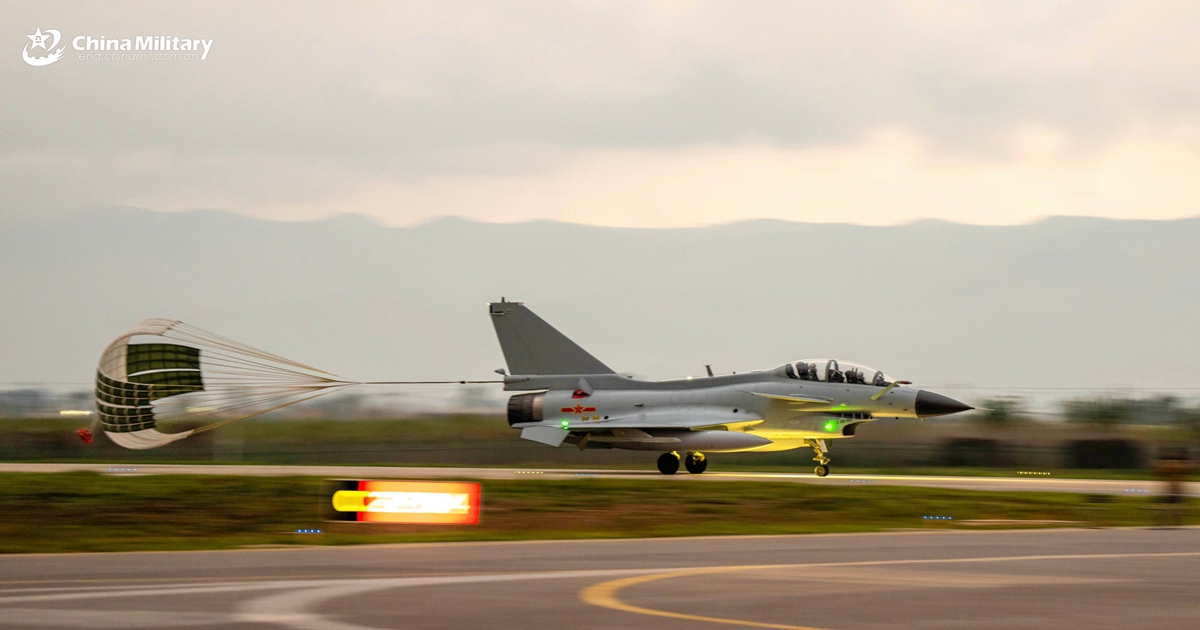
(695, 463)
(822, 458)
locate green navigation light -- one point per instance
(831, 425)
(564, 424)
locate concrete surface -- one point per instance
(1035, 579)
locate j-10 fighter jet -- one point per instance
(164, 380)
(570, 397)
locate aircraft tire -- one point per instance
(695, 463)
(668, 463)
(821, 470)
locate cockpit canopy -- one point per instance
(834, 371)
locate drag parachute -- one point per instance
(165, 372)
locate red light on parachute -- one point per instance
(84, 435)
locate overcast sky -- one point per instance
(653, 114)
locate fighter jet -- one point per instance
(570, 397)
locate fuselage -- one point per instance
(770, 409)
(571, 397)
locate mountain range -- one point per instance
(1061, 303)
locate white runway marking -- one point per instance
(291, 609)
(295, 607)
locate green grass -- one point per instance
(89, 512)
(489, 442)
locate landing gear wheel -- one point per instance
(668, 463)
(695, 463)
(818, 447)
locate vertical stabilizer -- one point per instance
(531, 346)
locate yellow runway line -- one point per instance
(604, 594)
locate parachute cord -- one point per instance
(327, 390)
(209, 427)
(255, 401)
(424, 382)
(212, 339)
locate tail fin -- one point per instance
(531, 346)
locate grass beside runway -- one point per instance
(892, 447)
(89, 512)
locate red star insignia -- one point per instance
(578, 408)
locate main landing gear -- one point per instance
(822, 458)
(668, 463)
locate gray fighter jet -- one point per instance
(570, 397)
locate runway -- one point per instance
(1011, 484)
(1051, 579)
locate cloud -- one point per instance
(885, 177)
(670, 113)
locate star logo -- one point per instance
(39, 40)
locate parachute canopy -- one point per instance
(164, 371)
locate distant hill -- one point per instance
(1067, 302)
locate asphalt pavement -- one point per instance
(1053, 579)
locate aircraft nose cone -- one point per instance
(931, 404)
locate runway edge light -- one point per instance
(402, 502)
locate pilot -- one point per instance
(833, 374)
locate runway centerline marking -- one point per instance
(604, 594)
